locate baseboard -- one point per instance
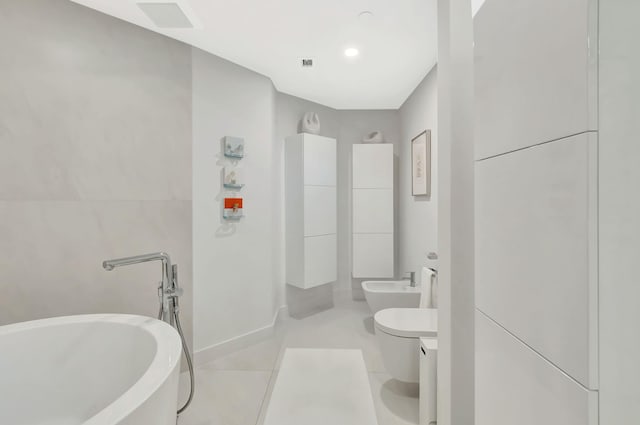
(239, 342)
(307, 302)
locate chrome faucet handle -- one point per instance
(163, 299)
(174, 276)
(175, 293)
(160, 295)
(432, 256)
(411, 275)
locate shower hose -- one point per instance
(185, 348)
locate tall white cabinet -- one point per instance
(311, 212)
(557, 212)
(373, 223)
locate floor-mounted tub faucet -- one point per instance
(169, 293)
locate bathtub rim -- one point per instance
(164, 362)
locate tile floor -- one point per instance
(235, 389)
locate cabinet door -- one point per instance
(373, 255)
(319, 161)
(319, 210)
(320, 260)
(372, 211)
(373, 166)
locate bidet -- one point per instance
(381, 294)
(168, 294)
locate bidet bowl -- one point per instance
(382, 294)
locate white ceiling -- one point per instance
(397, 45)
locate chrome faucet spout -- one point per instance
(136, 259)
(168, 291)
(412, 279)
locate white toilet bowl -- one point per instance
(399, 331)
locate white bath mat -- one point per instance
(321, 387)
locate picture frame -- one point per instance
(421, 164)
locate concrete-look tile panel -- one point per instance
(535, 72)
(536, 247)
(93, 108)
(52, 252)
(514, 385)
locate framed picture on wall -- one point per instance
(421, 164)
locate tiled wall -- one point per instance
(95, 135)
(536, 212)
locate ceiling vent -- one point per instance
(307, 63)
(166, 15)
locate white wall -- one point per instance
(95, 133)
(455, 213)
(418, 215)
(619, 233)
(234, 265)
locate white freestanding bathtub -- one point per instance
(102, 369)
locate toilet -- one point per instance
(399, 331)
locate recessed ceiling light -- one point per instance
(351, 52)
